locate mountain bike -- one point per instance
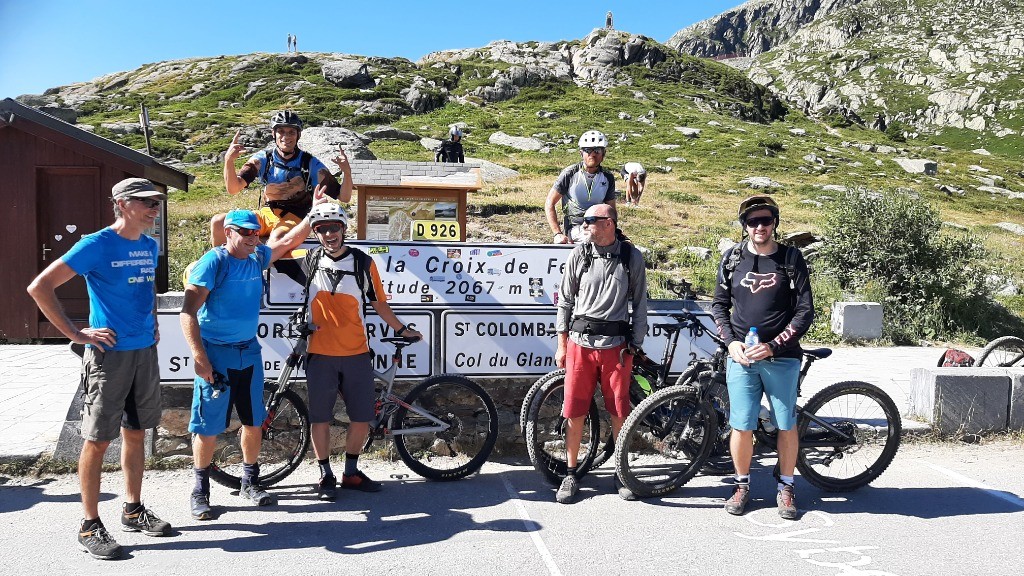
(849, 431)
(443, 429)
(1002, 352)
(544, 426)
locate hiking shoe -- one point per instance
(624, 493)
(255, 494)
(143, 520)
(99, 543)
(787, 502)
(567, 491)
(359, 481)
(738, 501)
(327, 488)
(201, 506)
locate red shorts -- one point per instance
(584, 368)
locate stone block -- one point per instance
(170, 300)
(1016, 418)
(961, 400)
(857, 320)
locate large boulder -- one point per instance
(390, 133)
(491, 172)
(347, 74)
(918, 165)
(517, 142)
(323, 143)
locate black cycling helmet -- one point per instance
(758, 203)
(286, 118)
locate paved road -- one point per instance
(940, 509)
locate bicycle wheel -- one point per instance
(285, 442)
(665, 441)
(857, 409)
(545, 433)
(1004, 351)
(532, 392)
(462, 448)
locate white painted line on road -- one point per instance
(1005, 496)
(531, 527)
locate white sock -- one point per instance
(785, 480)
(743, 478)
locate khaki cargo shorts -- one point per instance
(122, 389)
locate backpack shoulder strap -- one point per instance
(268, 160)
(361, 268)
(304, 160)
(222, 265)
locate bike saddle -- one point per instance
(818, 353)
(399, 340)
(669, 328)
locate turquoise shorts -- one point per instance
(242, 365)
(777, 378)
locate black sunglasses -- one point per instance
(591, 220)
(590, 150)
(765, 221)
(149, 203)
(328, 228)
(245, 231)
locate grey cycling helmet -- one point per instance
(286, 118)
(593, 139)
(327, 212)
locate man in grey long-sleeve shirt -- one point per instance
(598, 331)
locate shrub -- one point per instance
(892, 248)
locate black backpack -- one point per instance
(292, 205)
(361, 270)
(788, 270)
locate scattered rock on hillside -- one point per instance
(797, 131)
(1011, 227)
(390, 133)
(981, 151)
(492, 172)
(664, 146)
(430, 143)
(323, 143)
(688, 132)
(700, 253)
(760, 183)
(517, 142)
(347, 74)
(918, 165)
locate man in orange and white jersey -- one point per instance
(342, 280)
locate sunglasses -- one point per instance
(245, 231)
(328, 228)
(765, 221)
(148, 202)
(591, 220)
(597, 150)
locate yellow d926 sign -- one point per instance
(436, 230)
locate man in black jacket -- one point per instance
(451, 150)
(763, 286)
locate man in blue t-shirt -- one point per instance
(289, 176)
(120, 370)
(219, 320)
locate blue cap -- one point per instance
(242, 219)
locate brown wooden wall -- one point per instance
(24, 155)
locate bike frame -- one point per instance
(388, 403)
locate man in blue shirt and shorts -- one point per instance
(120, 371)
(219, 319)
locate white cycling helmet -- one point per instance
(593, 139)
(327, 212)
(455, 132)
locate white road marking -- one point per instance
(531, 527)
(1004, 496)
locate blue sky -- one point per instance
(47, 43)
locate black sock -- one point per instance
(90, 525)
(351, 464)
(570, 470)
(325, 467)
(202, 481)
(132, 507)
(250, 473)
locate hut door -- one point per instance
(70, 205)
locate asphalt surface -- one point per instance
(940, 509)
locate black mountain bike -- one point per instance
(849, 431)
(544, 427)
(444, 428)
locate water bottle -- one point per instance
(751, 339)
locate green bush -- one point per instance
(891, 248)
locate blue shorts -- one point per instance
(242, 365)
(776, 378)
